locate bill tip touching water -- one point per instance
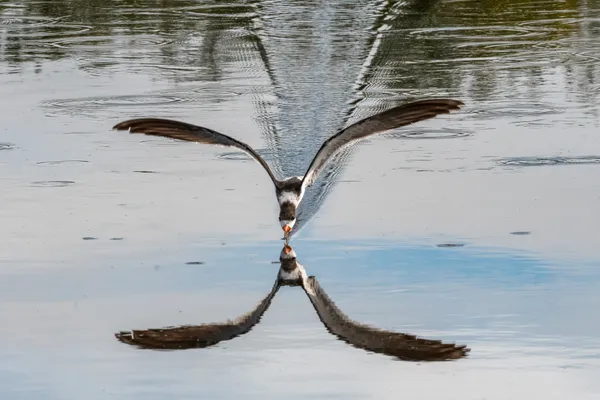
(402, 346)
(290, 191)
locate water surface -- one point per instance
(478, 227)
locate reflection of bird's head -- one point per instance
(287, 254)
(291, 273)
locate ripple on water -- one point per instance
(37, 27)
(51, 183)
(222, 6)
(484, 33)
(178, 69)
(515, 110)
(428, 133)
(450, 245)
(83, 42)
(235, 156)
(6, 146)
(223, 10)
(53, 31)
(61, 162)
(541, 161)
(28, 21)
(113, 101)
(226, 16)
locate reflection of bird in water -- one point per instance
(291, 273)
(290, 191)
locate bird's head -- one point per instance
(287, 217)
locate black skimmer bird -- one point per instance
(291, 273)
(289, 191)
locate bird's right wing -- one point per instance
(401, 345)
(191, 133)
(197, 336)
(393, 118)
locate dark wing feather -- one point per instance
(401, 345)
(393, 118)
(197, 336)
(191, 133)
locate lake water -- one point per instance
(479, 227)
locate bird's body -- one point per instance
(290, 191)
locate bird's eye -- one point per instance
(293, 219)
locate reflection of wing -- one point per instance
(393, 118)
(191, 133)
(401, 345)
(196, 336)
